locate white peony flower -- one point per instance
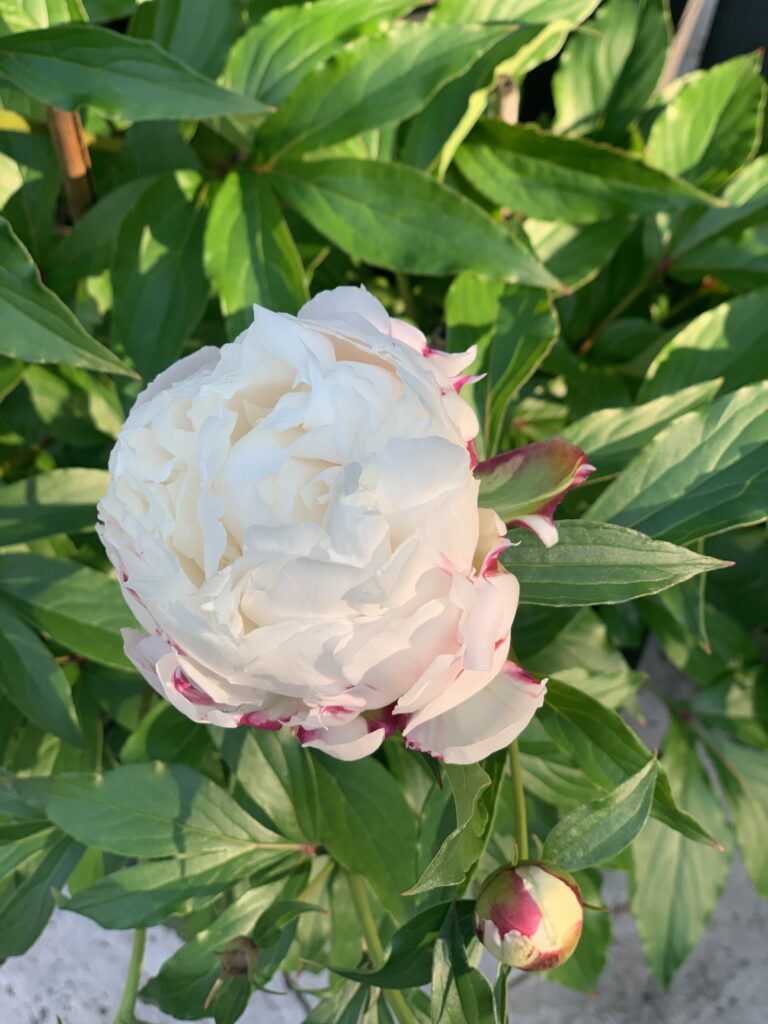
(294, 522)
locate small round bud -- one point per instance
(239, 957)
(529, 916)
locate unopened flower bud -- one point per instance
(239, 957)
(529, 916)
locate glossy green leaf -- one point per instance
(61, 501)
(196, 31)
(462, 847)
(743, 772)
(381, 81)
(672, 906)
(597, 831)
(610, 69)
(157, 810)
(608, 752)
(145, 894)
(613, 436)
(376, 211)
(157, 273)
(367, 826)
(71, 65)
(185, 980)
(706, 473)
(275, 55)
(26, 907)
(409, 961)
(530, 12)
(729, 341)
(36, 326)
(459, 992)
(598, 563)
(576, 253)
(542, 175)
(250, 255)
(79, 608)
(279, 776)
(33, 682)
(711, 125)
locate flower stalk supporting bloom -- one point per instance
(521, 820)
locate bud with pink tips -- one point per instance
(529, 916)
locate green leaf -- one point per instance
(145, 894)
(672, 906)
(747, 192)
(20, 843)
(72, 65)
(35, 325)
(609, 71)
(376, 212)
(462, 848)
(380, 81)
(542, 175)
(530, 481)
(613, 436)
(743, 772)
(525, 331)
(157, 810)
(531, 12)
(277, 917)
(711, 125)
(598, 563)
(274, 56)
(157, 274)
(459, 992)
(250, 255)
(32, 680)
(576, 254)
(345, 1005)
(409, 961)
(60, 501)
(706, 473)
(88, 249)
(367, 826)
(26, 907)
(279, 776)
(196, 31)
(79, 608)
(729, 341)
(184, 981)
(597, 831)
(608, 752)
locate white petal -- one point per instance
(490, 720)
(348, 742)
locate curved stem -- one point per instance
(126, 1010)
(521, 822)
(394, 996)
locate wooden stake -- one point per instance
(66, 131)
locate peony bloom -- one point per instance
(294, 523)
(529, 916)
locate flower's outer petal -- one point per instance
(525, 485)
(337, 302)
(488, 721)
(203, 359)
(348, 742)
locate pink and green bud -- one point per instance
(529, 916)
(524, 486)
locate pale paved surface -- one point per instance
(76, 970)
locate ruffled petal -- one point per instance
(488, 721)
(348, 742)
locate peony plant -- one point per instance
(374, 447)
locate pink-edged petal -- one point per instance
(258, 720)
(347, 742)
(525, 485)
(488, 721)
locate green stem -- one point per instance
(406, 293)
(394, 996)
(126, 1010)
(521, 823)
